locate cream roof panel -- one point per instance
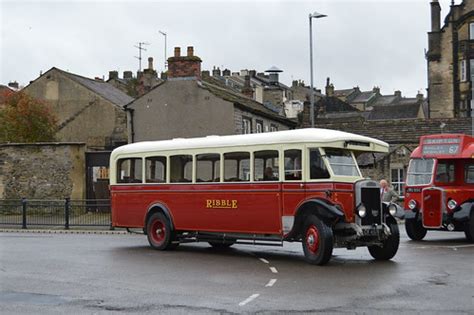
(308, 135)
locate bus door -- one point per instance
(293, 186)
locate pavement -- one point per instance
(118, 273)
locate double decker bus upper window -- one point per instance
(293, 164)
(181, 168)
(129, 170)
(317, 168)
(208, 167)
(469, 173)
(155, 169)
(237, 167)
(445, 172)
(342, 162)
(420, 172)
(266, 165)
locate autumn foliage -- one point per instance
(25, 120)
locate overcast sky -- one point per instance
(361, 43)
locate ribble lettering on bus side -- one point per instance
(221, 204)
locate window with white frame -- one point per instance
(259, 126)
(246, 125)
(398, 180)
(273, 128)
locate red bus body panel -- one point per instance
(433, 206)
(252, 208)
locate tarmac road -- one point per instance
(110, 274)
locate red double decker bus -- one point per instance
(439, 192)
(299, 185)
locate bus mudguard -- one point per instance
(162, 208)
(322, 209)
(465, 212)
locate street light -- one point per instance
(164, 34)
(315, 15)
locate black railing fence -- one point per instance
(64, 213)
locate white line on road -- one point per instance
(273, 269)
(249, 299)
(271, 283)
(264, 260)
(444, 246)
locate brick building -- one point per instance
(450, 58)
(189, 104)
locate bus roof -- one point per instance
(445, 146)
(349, 140)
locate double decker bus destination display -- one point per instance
(447, 146)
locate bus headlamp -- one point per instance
(361, 210)
(412, 204)
(452, 204)
(392, 209)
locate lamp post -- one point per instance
(314, 15)
(164, 34)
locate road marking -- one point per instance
(271, 283)
(249, 299)
(444, 246)
(273, 269)
(264, 260)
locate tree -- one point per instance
(24, 119)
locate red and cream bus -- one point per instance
(299, 185)
(439, 192)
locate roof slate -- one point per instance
(104, 89)
(399, 111)
(333, 104)
(363, 97)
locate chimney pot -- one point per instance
(150, 63)
(177, 52)
(190, 51)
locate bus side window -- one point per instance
(469, 173)
(445, 172)
(317, 168)
(181, 168)
(208, 168)
(155, 169)
(237, 167)
(129, 170)
(292, 164)
(265, 165)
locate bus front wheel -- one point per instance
(159, 232)
(415, 229)
(317, 241)
(389, 246)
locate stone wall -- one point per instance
(42, 171)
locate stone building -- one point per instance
(450, 59)
(190, 105)
(88, 111)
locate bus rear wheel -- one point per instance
(389, 246)
(317, 242)
(159, 232)
(415, 229)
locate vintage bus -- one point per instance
(439, 191)
(299, 185)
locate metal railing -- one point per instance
(64, 213)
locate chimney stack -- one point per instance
(184, 66)
(435, 16)
(376, 90)
(329, 88)
(216, 72)
(226, 73)
(398, 93)
(420, 96)
(252, 73)
(113, 75)
(247, 89)
(127, 75)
